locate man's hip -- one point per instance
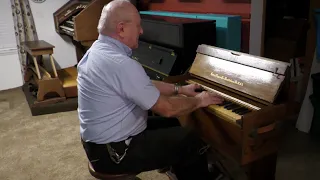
(161, 145)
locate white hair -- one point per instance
(113, 13)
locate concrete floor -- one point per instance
(299, 157)
(31, 147)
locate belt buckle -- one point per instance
(204, 149)
(115, 157)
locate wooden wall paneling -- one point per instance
(237, 1)
(157, 1)
(191, 1)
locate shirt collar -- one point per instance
(120, 45)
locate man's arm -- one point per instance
(175, 106)
(134, 84)
(166, 89)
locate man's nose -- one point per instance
(141, 31)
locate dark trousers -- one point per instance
(163, 144)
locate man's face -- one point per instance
(131, 31)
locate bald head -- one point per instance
(121, 20)
(115, 12)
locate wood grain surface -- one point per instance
(252, 81)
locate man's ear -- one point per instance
(120, 29)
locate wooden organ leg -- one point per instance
(53, 66)
(37, 67)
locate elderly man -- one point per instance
(115, 95)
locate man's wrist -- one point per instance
(198, 102)
(177, 89)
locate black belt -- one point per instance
(117, 150)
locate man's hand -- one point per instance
(208, 98)
(190, 90)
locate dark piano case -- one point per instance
(168, 45)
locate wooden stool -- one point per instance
(109, 176)
(49, 88)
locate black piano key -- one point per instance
(244, 112)
(236, 107)
(232, 106)
(228, 103)
(199, 89)
(223, 103)
(239, 109)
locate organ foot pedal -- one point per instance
(47, 88)
(68, 78)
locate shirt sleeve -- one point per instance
(136, 85)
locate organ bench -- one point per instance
(46, 86)
(47, 91)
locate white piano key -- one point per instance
(67, 28)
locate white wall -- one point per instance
(64, 51)
(10, 70)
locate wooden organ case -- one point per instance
(77, 19)
(248, 125)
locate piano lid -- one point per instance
(252, 75)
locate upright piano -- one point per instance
(247, 126)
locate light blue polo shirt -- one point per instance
(114, 93)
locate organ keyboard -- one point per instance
(79, 19)
(68, 24)
(246, 127)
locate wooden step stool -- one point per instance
(49, 87)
